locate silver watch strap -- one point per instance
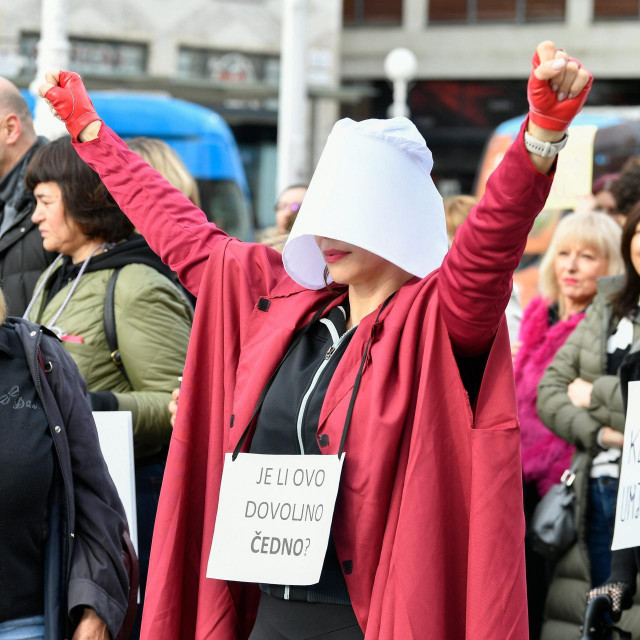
(544, 149)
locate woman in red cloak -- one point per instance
(415, 386)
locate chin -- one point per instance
(339, 276)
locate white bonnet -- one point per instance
(372, 188)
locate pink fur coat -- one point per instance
(544, 455)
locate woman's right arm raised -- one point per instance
(174, 228)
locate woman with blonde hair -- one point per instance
(456, 210)
(590, 229)
(584, 247)
(167, 162)
(580, 399)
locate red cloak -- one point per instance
(428, 523)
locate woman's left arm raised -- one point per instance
(476, 277)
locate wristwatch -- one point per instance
(544, 149)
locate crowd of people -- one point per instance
(388, 350)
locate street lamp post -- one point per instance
(292, 95)
(53, 53)
(400, 66)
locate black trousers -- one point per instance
(290, 620)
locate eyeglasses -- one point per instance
(294, 207)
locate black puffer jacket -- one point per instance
(625, 563)
(22, 257)
(84, 564)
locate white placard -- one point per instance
(627, 526)
(115, 432)
(274, 518)
(574, 174)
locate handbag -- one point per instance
(553, 525)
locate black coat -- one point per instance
(22, 256)
(84, 565)
(629, 371)
(626, 562)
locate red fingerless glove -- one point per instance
(544, 108)
(72, 103)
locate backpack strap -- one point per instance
(110, 324)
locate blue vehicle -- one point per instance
(617, 138)
(201, 138)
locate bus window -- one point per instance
(226, 207)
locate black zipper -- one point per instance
(331, 352)
(326, 357)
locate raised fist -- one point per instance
(558, 87)
(68, 98)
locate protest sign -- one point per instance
(574, 174)
(115, 432)
(274, 518)
(627, 524)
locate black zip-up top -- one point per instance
(288, 422)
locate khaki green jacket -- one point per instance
(153, 322)
(582, 356)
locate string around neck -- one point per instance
(292, 346)
(76, 282)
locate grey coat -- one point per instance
(583, 356)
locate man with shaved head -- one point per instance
(22, 257)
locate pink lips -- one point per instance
(333, 255)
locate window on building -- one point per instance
(97, 57)
(616, 9)
(544, 10)
(372, 12)
(228, 67)
(447, 10)
(480, 11)
(495, 10)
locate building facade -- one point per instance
(473, 61)
(223, 54)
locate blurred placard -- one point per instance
(575, 169)
(115, 431)
(627, 528)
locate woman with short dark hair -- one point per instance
(115, 307)
(87, 201)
